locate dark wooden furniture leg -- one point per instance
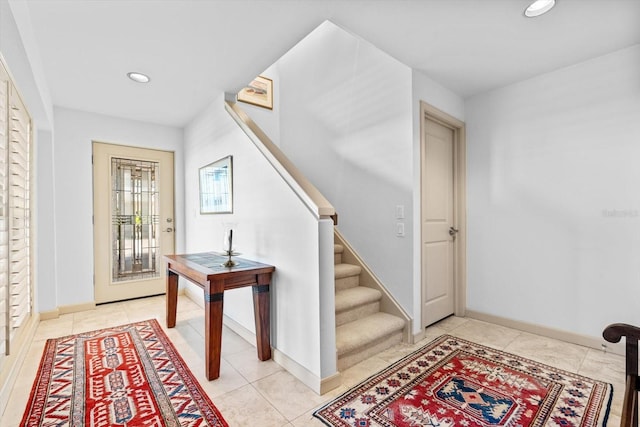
(614, 333)
(213, 305)
(172, 298)
(262, 317)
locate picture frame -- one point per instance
(259, 92)
(216, 187)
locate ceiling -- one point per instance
(195, 49)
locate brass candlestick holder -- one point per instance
(228, 242)
(229, 262)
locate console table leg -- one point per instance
(172, 298)
(213, 333)
(261, 311)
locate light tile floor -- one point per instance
(250, 392)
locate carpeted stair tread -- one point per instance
(354, 297)
(346, 270)
(362, 332)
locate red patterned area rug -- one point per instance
(453, 382)
(128, 375)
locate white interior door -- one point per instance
(133, 220)
(438, 228)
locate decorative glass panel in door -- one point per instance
(133, 220)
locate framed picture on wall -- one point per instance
(259, 92)
(216, 187)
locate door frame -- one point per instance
(99, 295)
(430, 112)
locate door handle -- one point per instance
(453, 231)
(169, 230)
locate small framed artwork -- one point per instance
(259, 92)
(216, 187)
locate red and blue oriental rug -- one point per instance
(128, 375)
(453, 382)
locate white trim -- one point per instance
(318, 385)
(236, 327)
(50, 314)
(312, 381)
(330, 383)
(430, 112)
(66, 309)
(545, 331)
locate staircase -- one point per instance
(362, 330)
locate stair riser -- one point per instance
(347, 282)
(357, 313)
(355, 356)
(337, 258)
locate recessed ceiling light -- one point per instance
(138, 77)
(539, 7)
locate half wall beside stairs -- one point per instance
(292, 229)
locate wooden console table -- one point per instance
(206, 271)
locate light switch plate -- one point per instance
(400, 229)
(399, 211)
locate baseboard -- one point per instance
(545, 331)
(66, 309)
(419, 336)
(50, 314)
(315, 383)
(236, 327)
(318, 385)
(75, 308)
(329, 383)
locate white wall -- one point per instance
(44, 224)
(273, 226)
(344, 112)
(554, 197)
(16, 47)
(427, 90)
(75, 131)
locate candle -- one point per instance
(230, 240)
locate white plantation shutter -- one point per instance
(4, 251)
(19, 213)
(15, 168)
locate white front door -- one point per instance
(133, 220)
(438, 227)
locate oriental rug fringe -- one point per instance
(128, 375)
(453, 382)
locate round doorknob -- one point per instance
(169, 230)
